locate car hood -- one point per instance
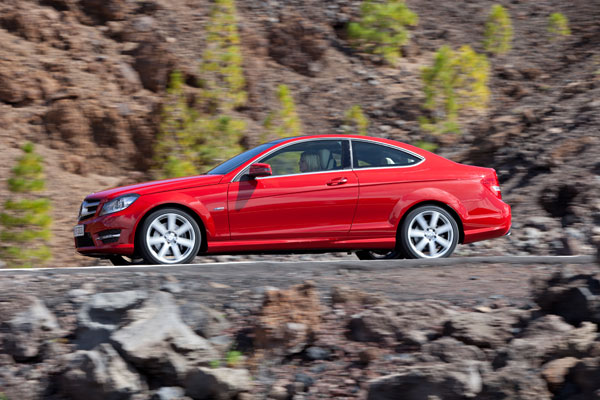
(158, 186)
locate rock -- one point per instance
(153, 62)
(298, 43)
(317, 353)
(204, 320)
(435, 381)
(98, 375)
(216, 383)
(158, 343)
(378, 324)
(586, 375)
(108, 9)
(288, 319)
(550, 338)
(306, 381)
(450, 350)
(485, 330)
(103, 314)
(575, 298)
(65, 121)
(348, 295)
(556, 371)
(514, 381)
(169, 393)
(25, 333)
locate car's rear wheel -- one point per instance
(379, 254)
(429, 232)
(124, 260)
(170, 236)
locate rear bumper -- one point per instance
(489, 226)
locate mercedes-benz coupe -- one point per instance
(377, 197)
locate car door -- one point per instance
(384, 173)
(298, 201)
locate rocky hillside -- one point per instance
(159, 337)
(85, 79)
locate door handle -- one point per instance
(337, 181)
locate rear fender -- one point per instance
(423, 196)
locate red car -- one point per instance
(378, 197)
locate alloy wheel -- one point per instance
(171, 238)
(431, 233)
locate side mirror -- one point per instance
(259, 169)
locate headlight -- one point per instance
(119, 204)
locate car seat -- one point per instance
(327, 161)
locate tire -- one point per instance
(429, 232)
(379, 254)
(170, 236)
(124, 260)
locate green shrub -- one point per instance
(456, 81)
(558, 25)
(233, 358)
(498, 31)
(26, 218)
(285, 122)
(355, 121)
(429, 146)
(382, 28)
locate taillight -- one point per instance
(491, 182)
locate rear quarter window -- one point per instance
(371, 155)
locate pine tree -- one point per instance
(26, 221)
(382, 28)
(221, 70)
(174, 150)
(194, 139)
(456, 81)
(498, 31)
(355, 121)
(284, 122)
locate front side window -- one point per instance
(371, 155)
(309, 156)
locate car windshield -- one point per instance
(240, 159)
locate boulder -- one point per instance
(216, 383)
(288, 319)
(99, 374)
(555, 372)
(158, 343)
(298, 43)
(549, 338)
(484, 330)
(26, 332)
(450, 350)
(153, 62)
(103, 314)
(586, 375)
(204, 320)
(169, 393)
(576, 298)
(434, 381)
(516, 380)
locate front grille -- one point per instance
(88, 209)
(84, 241)
(109, 236)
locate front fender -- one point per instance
(153, 201)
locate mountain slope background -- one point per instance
(85, 79)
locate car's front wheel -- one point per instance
(170, 236)
(429, 232)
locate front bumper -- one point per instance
(106, 235)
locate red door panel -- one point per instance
(312, 205)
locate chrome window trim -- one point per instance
(235, 178)
(420, 157)
(351, 140)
